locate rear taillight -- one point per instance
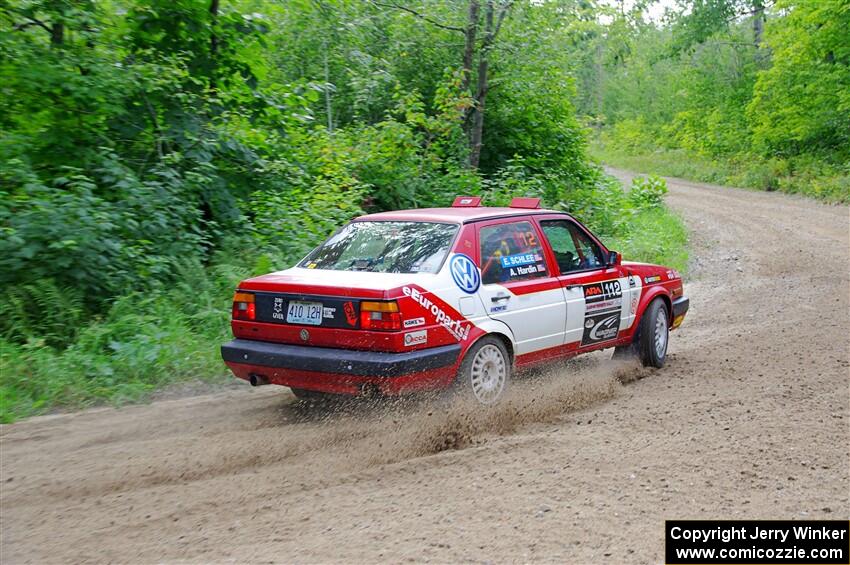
(383, 316)
(243, 306)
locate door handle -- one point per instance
(502, 297)
(573, 287)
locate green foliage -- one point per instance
(802, 102)
(41, 310)
(708, 95)
(648, 192)
(103, 234)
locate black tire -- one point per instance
(654, 334)
(485, 373)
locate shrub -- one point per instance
(647, 192)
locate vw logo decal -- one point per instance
(465, 273)
(305, 335)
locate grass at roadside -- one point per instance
(805, 176)
(657, 236)
(140, 344)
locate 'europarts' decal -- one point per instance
(465, 273)
(455, 327)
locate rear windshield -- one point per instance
(385, 247)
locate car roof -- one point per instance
(456, 215)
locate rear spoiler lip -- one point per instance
(313, 290)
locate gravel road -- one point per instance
(749, 419)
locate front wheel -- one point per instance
(485, 372)
(654, 335)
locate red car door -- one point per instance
(597, 292)
(518, 284)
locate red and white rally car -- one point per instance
(426, 299)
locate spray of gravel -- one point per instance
(451, 423)
(316, 443)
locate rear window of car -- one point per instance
(385, 247)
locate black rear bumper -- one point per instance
(680, 306)
(341, 361)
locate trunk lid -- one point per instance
(318, 307)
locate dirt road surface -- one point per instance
(748, 420)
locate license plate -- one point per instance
(309, 313)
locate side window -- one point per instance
(574, 250)
(511, 252)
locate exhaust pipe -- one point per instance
(257, 380)
(370, 391)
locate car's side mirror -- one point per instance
(614, 258)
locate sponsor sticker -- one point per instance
(529, 270)
(601, 327)
(350, 314)
(465, 273)
(414, 322)
(652, 279)
(328, 312)
(509, 261)
(457, 328)
(500, 308)
(277, 309)
(415, 338)
(603, 291)
(603, 303)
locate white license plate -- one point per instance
(309, 313)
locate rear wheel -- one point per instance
(485, 372)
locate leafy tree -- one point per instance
(803, 100)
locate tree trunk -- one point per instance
(469, 48)
(57, 34)
(477, 131)
(758, 21)
(328, 106)
(597, 90)
(213, 42)
(758, 32)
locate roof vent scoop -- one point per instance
(525, 203)
(467, 202)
